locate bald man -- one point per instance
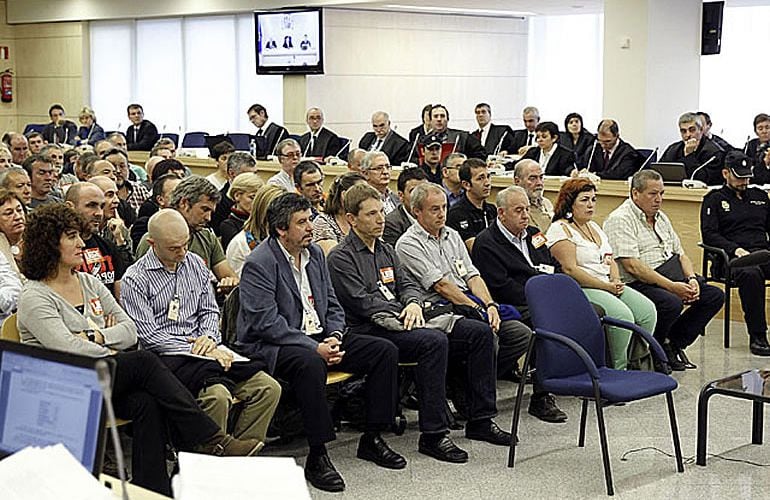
(99, 167)
(384, 138)
(319, 141)
(101, 257)
(168, 294)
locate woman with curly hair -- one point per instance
(585, 254)
(74, 312)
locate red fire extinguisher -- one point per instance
(6, 86)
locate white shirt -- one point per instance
(592, 257)
(519, 242)
(282, 179)
(311, 324)
(545, 157)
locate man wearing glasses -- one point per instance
(288, 156)
(376, 169)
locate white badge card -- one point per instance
(545, 268)
(173, 309)
(460, 267)
(538, 240)
(385, 291)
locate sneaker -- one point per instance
(544, 407)
(224, 445)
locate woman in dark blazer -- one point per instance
(576, 138)
(554, 158)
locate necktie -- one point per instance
(477, 134)
(311, 146)
(377, 145)
(530, 137)
(606, 159)
(136, 132)
(259, 133)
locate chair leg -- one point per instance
(603, 440)
(583, 414)
(674, 432)
(728, 293)
(517, 405)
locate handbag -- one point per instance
(672, 269)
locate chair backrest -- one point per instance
(33, 127)
(557, 304)
(240, 141)
(173, 137)
(194, 140)
(9, 330)
(646, 154)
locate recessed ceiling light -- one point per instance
(459, 10)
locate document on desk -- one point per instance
(237, 358)
(49, 473)
(203, 477)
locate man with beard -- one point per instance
(529, 175)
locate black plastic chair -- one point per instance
(569, 339)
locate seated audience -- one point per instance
(585, 254)
(36, 142)
(134, 193)
(142, 134)
(6, 158)
(380, 298)
(554, 158)
(93, 166)
(703, 160)
(168, 295)
(162, 188)
(220, 152)
(431, 158)
(19, 147)
(254, 229)
(423, 129)
(309, 182)
(529, 175)
(289, 155)
(16, 180)
(73, 312)
(376, 169)
(238, 162)
(319, 141)
(736, 218)
(59, 130)
(613, 158)
(385, 139)
(290, 315)
(10, 288)
(242, 191)
(42, 176)
(331, 225)
(577, 138)
(355, 157)
(472, 214)
(113, 228)
(450, 177)
(12, 224)
(758, 149)
(459, 140)
(268, 133)
(652, 261)
(89, 132)
(399, 220)
(496, 139)
(523, 139)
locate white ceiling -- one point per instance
(482, 7)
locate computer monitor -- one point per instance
(672, 173)
(49, 397)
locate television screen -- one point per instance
(289, 42)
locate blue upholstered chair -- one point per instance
(570, 359)
(173, 137)
(194, 140)
(240, 141)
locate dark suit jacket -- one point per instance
(63, 134)
(562, 161)
(145, 139)
(326, 144)
(520, 139)
(396, 224)
(494, 135)
(466, 144)
(271, 136)
(416, 133)
(624, 162)
(581, 148)
(756, 152)
(711, 174)
(270, 315)
(503, 266)
(395, 146)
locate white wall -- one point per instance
(398, 62)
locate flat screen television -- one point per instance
(289, 41)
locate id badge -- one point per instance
(385, 291)
(538, 240)
(96, 306)
(460, 267)
(173, 309)
(545, 268)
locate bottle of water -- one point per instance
(253, 148)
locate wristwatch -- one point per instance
(493, 304)
(692, 277)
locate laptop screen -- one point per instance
(45, 400)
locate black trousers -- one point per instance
(682, 328)
(145, 391)
(751, 288)
(305, 371)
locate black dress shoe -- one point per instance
(685, 360)
(320, 472)
(375, 449)
(759, 348)
(673, 359)
(442, 449)
(488, 431)
(544, 407)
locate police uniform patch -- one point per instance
(725, 205)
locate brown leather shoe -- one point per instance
(224, 445)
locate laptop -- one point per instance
(672, 173)
(49, 397)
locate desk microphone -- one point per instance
(342, 148)
(307, 148)
(283, 131)
(645, 162)
(746, 144)
(500, 144)
(414, 145)
(693, 183)
(591, 156)
(457, 139)
(105, 381)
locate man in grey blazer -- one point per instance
(290, 315)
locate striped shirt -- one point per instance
(148, 288)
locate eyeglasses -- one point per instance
(295, 154)
(380, 168)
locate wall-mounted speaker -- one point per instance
(711, 31)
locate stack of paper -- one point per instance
(203, 477)
(49, 473)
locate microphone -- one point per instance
(591, 156)
(693, 183)
(454, 148)
(414, 145)
(342, 148)
(649, 158)
(105, 381)
(746, 144)
(307, 148)
(500, 144)
(283, 131)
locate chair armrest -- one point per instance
(720, 252)
(572, 345)
(657, 350)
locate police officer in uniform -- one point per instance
(736, 218)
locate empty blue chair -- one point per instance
(33, 127)
(173, 137)
(194, 140)
(240, 141)
(646, 154)
(569, 345)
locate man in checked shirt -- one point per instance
(168, 294)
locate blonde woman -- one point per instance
(242, 191)
(255, 228)
(89, 132)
